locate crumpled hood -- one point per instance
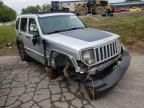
(81, 38)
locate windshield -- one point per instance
(54, 24)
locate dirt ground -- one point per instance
(137, 47)
(9, 52)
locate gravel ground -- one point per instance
(26, 85)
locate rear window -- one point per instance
(23, 25)
(17, 23)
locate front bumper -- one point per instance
(102, 85)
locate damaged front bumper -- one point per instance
(96, 86)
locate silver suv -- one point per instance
(65, 46)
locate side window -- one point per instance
(32, 27)
(17, 23)
(23, 25)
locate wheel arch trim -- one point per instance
(73, 60)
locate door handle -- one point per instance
(28, 37)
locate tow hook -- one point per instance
(90, 89)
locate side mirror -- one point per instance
(35, 39)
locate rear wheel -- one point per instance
(23, 54)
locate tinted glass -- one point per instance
(32, 28)
(59, 23)
(23, 25)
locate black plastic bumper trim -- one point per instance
(116, 74)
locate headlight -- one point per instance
(119, 45)
(88, 56)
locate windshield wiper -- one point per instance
(75, 28)
(57, 31)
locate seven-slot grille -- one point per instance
(107, 51)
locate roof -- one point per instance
(44, 15)
(54, 14)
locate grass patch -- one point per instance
(7, 35)
(130, 28)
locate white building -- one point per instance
(70, 4)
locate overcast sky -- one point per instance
(19, 4)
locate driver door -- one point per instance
(34, 50)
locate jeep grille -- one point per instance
(107, 51)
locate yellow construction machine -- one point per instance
(87, 7)
(90, 6)
(81, 9)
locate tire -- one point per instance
(22, 52)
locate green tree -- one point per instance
(1, 3)
(31, 9)
(46, 8)
(36, 9)
(6, 13)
